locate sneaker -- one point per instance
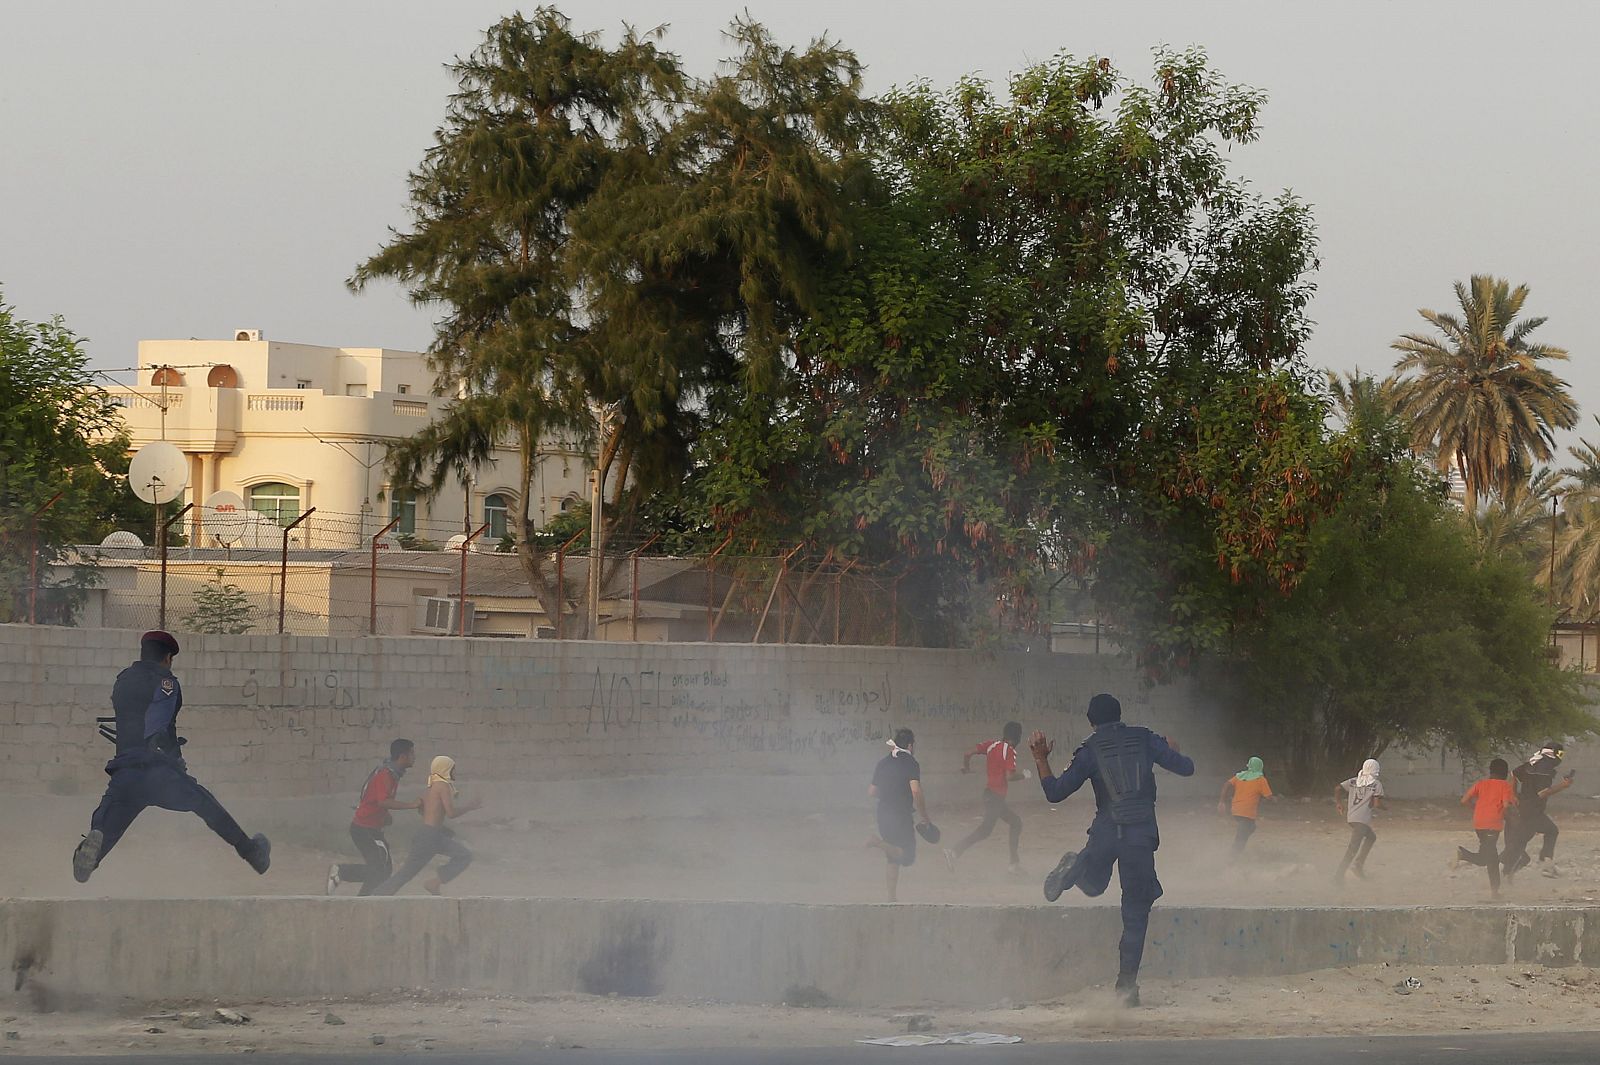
(1060, 877)
(950, 859)
(1549, 869)
(258, 852)
(86, 858)
(333, 878)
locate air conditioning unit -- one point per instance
(439, 616)
(247, 334)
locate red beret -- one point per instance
(165, 639)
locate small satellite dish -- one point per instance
(223, 517)
(158, 473)
(122, 538)
(167, 376)
(456, 542)
(223, 376)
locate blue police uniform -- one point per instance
(1117, 760)
(149, 769)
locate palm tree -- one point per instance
(1360, 397)
(1578, 541)
(1517, 523)
(1479, 395)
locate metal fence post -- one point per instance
(283, 567)
(166, 528)
(372, 619)
(33, 558)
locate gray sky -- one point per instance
(183, 169)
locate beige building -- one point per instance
(288, 427)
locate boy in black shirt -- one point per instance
(1536, 782)
(897, 785)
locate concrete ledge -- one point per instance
(66, 952)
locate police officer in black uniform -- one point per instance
(149, 769)
(1118, 760)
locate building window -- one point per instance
(403, 505)
(356, 390)
(568, 503)
(302, 383)
(278, 501)
(404, 390)
(496, 508)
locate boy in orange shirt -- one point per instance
(1489, 799)
(1249, 788)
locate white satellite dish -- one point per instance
(223, 516)
(260, 531)
(459, 540)
(158, 473)
(122, 538)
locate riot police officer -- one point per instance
(149, 769)
(1118, 760)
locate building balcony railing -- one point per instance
(275, 402)
(133, 399)
(412, 408)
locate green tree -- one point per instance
(540, 116)
(59, 433)
(1402, 631)
(220, 608)
(1477, 395)
(1043, 289)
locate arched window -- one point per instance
(278, 501)
(496, 509)
(568, 503)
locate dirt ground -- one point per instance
(788, 839)
(1340, 1002)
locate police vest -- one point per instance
(1122, 757)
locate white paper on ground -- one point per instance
(975, 1039)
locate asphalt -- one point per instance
(1465, 1048)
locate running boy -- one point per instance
(1489, 799)
(897, 785)
(1000, 763)
(371, 817)
(1536, 783)
(1365, 794)
(1249, 787)
(435, 837)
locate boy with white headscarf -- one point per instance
(435, 837)
(1365, 794)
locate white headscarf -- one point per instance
(443, 768)
(895, 750)
(1368, 775)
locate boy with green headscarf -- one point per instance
(1249, 787)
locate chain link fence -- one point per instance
(332, 574)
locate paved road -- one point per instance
(1567, 1048)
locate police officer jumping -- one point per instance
(149, 769)
(1118, 760)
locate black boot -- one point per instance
(86, 859)
(258, 852)
(1128, 990)
(1061, 877)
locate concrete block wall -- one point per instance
(302, 715)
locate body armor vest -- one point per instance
(1122, 756)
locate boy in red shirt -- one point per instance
(1489, 799)
(1000, 761)
(372, 815)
